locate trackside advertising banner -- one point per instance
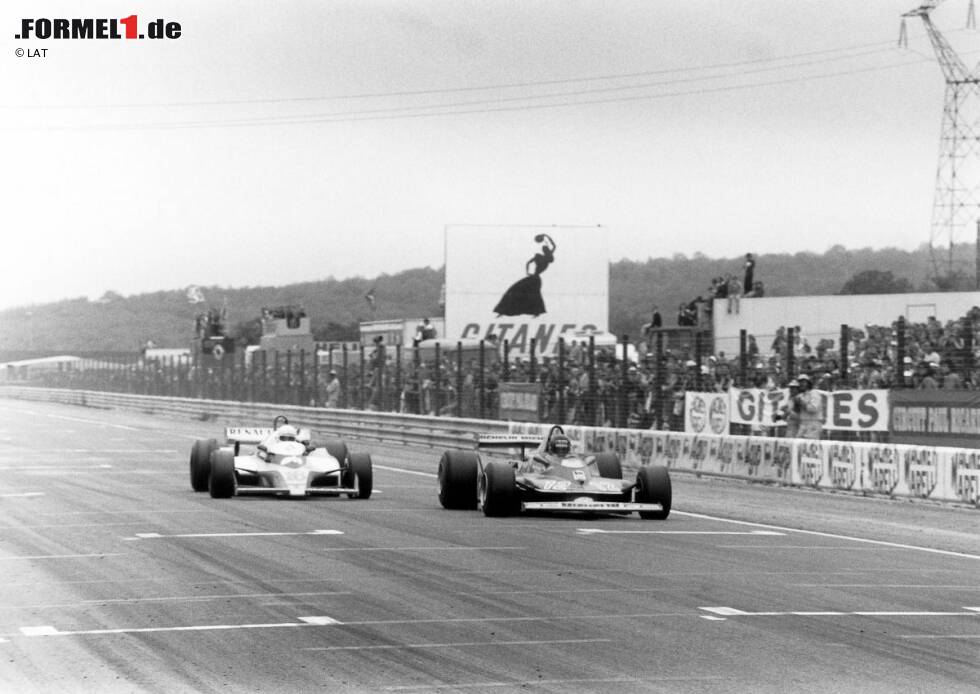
(706, 413)
(844, 410)
(892, 470)
(520, 401)
(940, 417)
(526, 282)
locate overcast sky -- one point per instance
(293, 141)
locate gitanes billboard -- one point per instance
(519, 283)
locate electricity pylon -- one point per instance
(956, 199)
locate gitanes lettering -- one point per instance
(519, 335)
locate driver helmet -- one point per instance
(286, 433)
(560, 445)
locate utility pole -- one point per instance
(956, 198)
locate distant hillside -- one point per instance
(120, 323)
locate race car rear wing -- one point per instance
(247, 434)
(257, 434)
(507, 440)
(521, 441)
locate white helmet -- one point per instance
(286, 433)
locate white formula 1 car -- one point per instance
(283, 462)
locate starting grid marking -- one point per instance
(722, 613)
(158, 536)
(599, 531)
(717, 614)
(315, 621)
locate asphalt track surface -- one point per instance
(116, 577)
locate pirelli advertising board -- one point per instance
(522, 283)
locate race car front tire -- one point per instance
(609, 466)
(338, 449)
(201, 463)
(653, 487)
(457, 479)
(362, 470)
(222, 483)
(499, 490)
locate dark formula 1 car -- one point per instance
(551, 478)
(283, 462)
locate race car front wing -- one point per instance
(586, 504)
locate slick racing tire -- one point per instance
(498, 490)
(363, 472)
(222, 483)
(201, 463)
(653, 487)
(457, 479)
(338, 449)
(609, 466)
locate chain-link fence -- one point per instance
(637, 384)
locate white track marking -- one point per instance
(598, 531)
(535, 683)
(915, 586)
(319, 621)
(120, 450)
(35, 468)
(733, 612)
(38, 631)
(20, 494)
(403, 470)
(65, 556)
(502, 620)
(141, 512)
(71, 525)
(469, 644)
(156, 536)
(723, 611)
(830, 547)
(851, 538)
(420, 548)
(316, 621)
(939, 636)
(52, 631)
(91, 421)
(173, 598)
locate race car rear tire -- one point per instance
(457, 479)
(499, 490)
(653, 487)
(201, 463)
(609, 466)
(363, 472)
(222, 483)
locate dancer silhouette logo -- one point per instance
(525, 287)
(523, 298)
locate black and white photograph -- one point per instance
(360, 346)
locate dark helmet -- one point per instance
(560, 445)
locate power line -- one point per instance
(879, 47)
(461, 108)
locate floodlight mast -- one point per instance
(956, 198)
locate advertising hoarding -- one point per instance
(519, 283)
